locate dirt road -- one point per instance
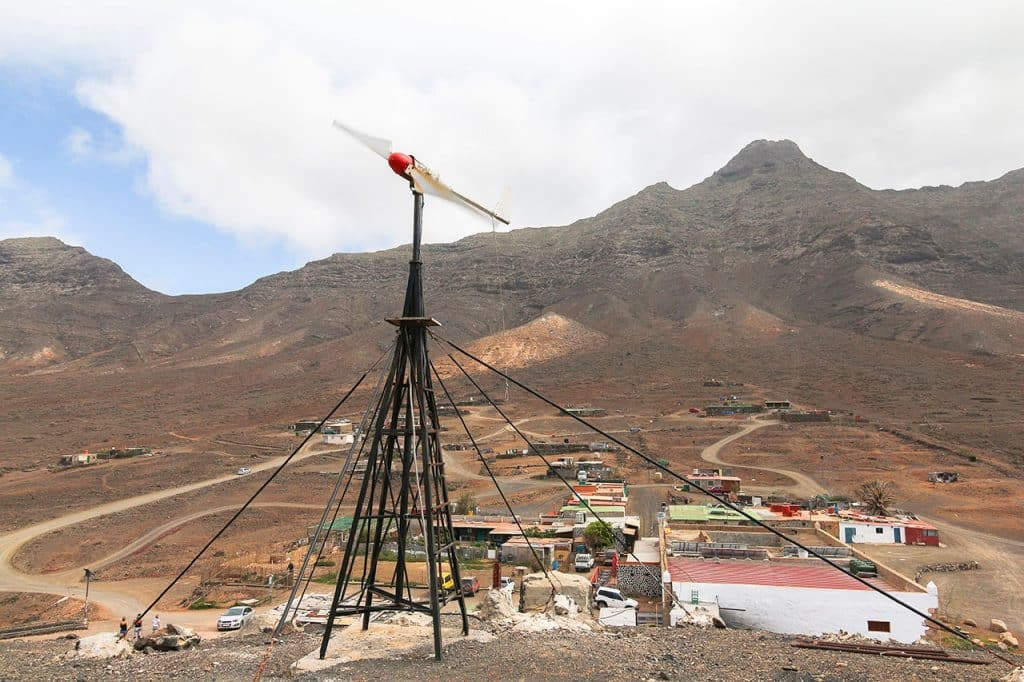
(118, 598)
(804, 486)
(997, 590)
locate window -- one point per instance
(931, 533)
(878, 530)
(878, 626)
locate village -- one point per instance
(629, 546)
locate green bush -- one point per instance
(329, 578)
(201, 603)
(324, 562)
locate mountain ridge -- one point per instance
(771, 228)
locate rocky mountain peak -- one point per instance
(47, 263)
(761, 156)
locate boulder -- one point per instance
(497, 605)
(144, 642)
(565, 606)
(180, 630)
(997, 625)
(970, 622)
(1015, 675)
(168, 638)
(102, 645)
(536, 592)
(1008, 639)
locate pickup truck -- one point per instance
(584, 562)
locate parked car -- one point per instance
(447, 582)
(470, 586)
(243, 471)
(609, 597)
(584, 562)
(234, 618)
(505, 582)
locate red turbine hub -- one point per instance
(400, 163)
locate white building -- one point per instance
(870, 532)
(338, 439)
(801, 598)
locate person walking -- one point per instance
(137, 626)
(124, 628)
(156, 623)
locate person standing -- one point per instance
(124, 628)
(137, 626)
(156, 623)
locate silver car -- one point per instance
(234, 618)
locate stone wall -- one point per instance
(640, 579)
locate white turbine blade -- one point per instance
(377, 145)
(428, 182)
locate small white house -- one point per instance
(338, 439)
(804, 598)
(871, 532)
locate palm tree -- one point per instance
(877, 496)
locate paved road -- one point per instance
(118, 598)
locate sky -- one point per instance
(191, 142)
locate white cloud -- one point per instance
(79, 144)
(44, 223)
(18, 200)
(229, 105)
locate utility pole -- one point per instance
(88, 579)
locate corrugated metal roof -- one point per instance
(768, 573)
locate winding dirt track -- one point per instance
(119, 598)
(804, 486)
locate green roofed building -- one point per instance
(708, 514)
(337, 531)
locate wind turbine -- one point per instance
(421, 178)
(403, 490)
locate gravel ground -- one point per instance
(658, 654)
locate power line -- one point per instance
(508, 505)
(358, 444)
(707, 492)
(568, 485)
(258, 490)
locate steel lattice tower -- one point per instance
(403, 495)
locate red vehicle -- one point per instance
(470, 586)
(694, 410)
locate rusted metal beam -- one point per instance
(926, 653)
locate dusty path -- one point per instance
(1003, 598)
(804, 486)
(119, 598)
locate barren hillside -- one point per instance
(902, 305)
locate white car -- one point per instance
(234, 618)
(609, 597)
(583, 562)
(243, 471)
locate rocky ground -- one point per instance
(658, 654)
